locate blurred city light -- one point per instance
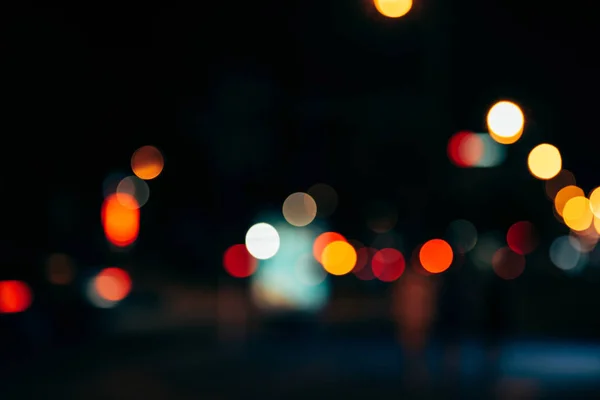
(577, 213)
(544, 161)
(109, 287)
(505, 122)
(132, 186)
(554, 185)
(595, 202)
(290, 280)
(322, 241)
(262, 241)
(522, 237)
(363, 269)
(388, 264)
(393, 8)
(436, 256)
(238, 262)
(299, 209)
(564, 195)
(147, 162)
(461, 235)
(326, 198)
(121, 223)
(338, 258)
(15, 297)
(565, 253)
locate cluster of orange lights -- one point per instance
(121, 210)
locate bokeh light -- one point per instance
(288, 281)
(577, 213)
(595, 202)
(132, 186)
(565, 253)
(322, 241)
(544, 161)
(109, 186)
(339, 258)
(309, 271)
(563, 179)
(462, 236)
(565, 194)
(15, 297)
(326, 198)
(113, 284)
(393, 8)
(494, 154)
(505, 122)
(147, 162)
(436, 256)
(262, 241)
(363, 268)
(484, 251)
(507, 264)
(522, 237)
(299, 209)
(121, 223)
(475, 150)
(238, 262)
(388, 265)
(465, 149)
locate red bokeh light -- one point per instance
(323, 240)
(238, 262)
(522, 237)
(113, 284)
(465, 149)
(388, 265)
(363, 268)
(15, 297)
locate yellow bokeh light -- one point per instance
(506, 140)
(597, 225)
(565, 194)
(578, 214)
(595, 202)
(544, 161)
(393, 8)
(505, 122)
(339, 258)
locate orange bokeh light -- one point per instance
(147, 162)
(323, 240)
(121, 223)
(113, 284)
(436, 256)
(15, 297)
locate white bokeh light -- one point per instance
(505, 119)
(262, 241)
